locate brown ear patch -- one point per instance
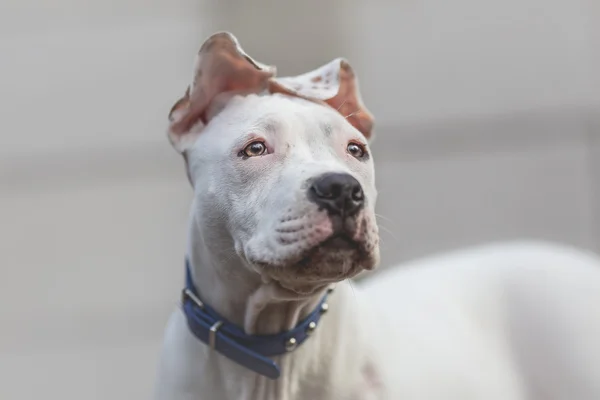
(221, 66)
(334, 84)
(222, 69)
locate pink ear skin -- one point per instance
(222, 69)
(221, 66)
(336, 85)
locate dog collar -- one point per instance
(250, 351)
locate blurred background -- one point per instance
(488, 128)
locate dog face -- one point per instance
(279, 167)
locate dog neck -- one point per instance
(242, 296)
(317, 369)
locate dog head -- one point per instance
(281, 167)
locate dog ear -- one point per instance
(221, 68)
(336, 85)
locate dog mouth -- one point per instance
(321, 253)
(340, 242)
(336, 258)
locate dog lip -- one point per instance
(340, 241)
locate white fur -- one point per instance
(507, 321)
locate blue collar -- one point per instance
(250, 351)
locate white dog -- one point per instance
(284, 208)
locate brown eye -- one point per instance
(254, 149)
(356, 150)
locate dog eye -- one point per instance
(254, 149)
(356, 150)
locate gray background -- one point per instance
(487, 129)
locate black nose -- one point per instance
(338, 193)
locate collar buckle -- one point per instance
(212, 334)
(188, 294)
(251, 351)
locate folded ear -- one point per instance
(221, 67)
(336, 85)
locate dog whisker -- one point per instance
(352, 287)
(391, 233)
(383, 217)
(354, 297)
(341, 105)
(227, 258)
(291, 221)
(351, 114)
